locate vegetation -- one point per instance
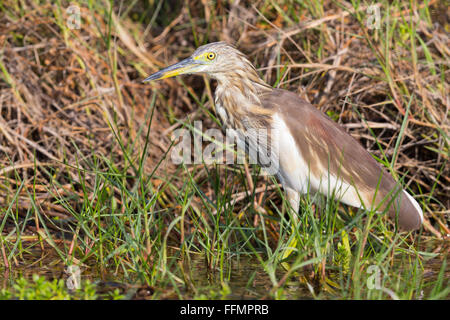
(86, 177)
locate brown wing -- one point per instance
(325, 144)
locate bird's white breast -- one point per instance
(288, 164)
(295, 173)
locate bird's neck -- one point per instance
(242, 79)
(238, 98)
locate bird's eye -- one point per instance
(211, 56)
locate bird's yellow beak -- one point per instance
(183, 67)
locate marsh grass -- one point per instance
(86, 172)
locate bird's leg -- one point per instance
(294, 201)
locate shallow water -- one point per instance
(243, 276)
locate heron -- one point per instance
(313, 153)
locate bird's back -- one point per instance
(320, 151)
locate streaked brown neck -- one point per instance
(238, 92)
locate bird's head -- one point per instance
(216, 59)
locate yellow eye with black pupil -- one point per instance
(211, 56)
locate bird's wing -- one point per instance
(328, 151)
